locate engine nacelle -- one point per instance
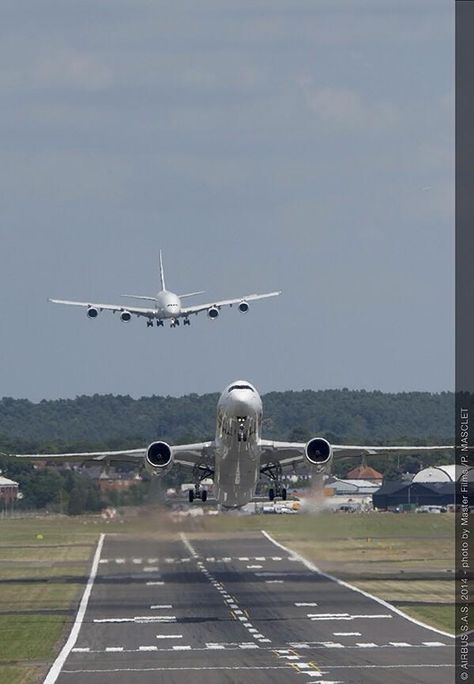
(213, 312)
(158, 458)
(243, 306)
(318, 452)
(125, 316)
(92, 312)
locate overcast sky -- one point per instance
(297, 145)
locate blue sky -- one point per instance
(303, 146)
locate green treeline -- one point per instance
(118, 421)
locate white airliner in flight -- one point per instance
(166, 305)
(237, 456)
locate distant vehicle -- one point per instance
(166, 305)
(431, 509)
(237, 456)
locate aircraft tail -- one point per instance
(162, 273)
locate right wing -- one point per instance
(135, 310)
(226, 302)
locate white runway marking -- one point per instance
(151, 568)
(341, 583)
(306, 605)
(154, 584)
(273, 581)
(368, 644)
(114, 649)
(179, 669)
(53, 673)
(243, 558)
(148, 648)
(254, 567)
(433, 643)
(137, 561)
(120, 561)
(103, 560)
(169, 636)
(166, 605)
(139, 619)
(81, 650)
(188, 545)
(347, 634)
(399, 644)
(347, 617)
(181, 648)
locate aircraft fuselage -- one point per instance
(238, 430)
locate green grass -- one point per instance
(21, 675)
(438, 616)
(29, 637)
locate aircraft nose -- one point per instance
(242, 405)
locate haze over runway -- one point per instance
(305, 146)
(238, 610)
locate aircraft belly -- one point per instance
(237, 469)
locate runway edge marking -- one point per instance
(388, 605)
(56, 667)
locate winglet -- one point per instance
(162, 273)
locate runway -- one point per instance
(239, 610)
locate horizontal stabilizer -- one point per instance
(191, 294)
(147, 297)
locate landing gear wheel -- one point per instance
(271, 494)
(191, 496)
(204, 496)
(283, 494)
(149, 324)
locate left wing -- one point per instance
(289, 453)
(226, 302)
(135, 310)
(183, 454)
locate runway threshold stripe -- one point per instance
(56, 667)
(313, 568)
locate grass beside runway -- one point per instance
(44, 563)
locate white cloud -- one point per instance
(347, 109)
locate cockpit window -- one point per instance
(233, 387)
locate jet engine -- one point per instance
(213, 312)
(243, 306)
(92, 312)
(318, 452)
(158, 458)
(125, 316)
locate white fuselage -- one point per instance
(168, 304)
(238, 431)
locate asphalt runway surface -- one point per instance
(238, 609)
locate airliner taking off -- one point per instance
(237, 456)
(166, 305)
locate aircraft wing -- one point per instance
(135, 310)
(290, 453)
(186, 311)
(124, 455)
(183, 454)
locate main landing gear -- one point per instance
(200, 472)
(149, 323)
(274, 472)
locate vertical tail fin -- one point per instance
(162, 273)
